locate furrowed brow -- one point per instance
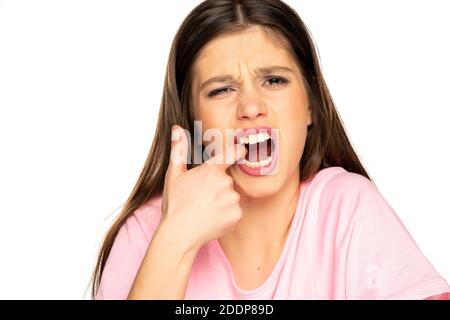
(260, 71)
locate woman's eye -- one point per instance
(218, 92)
(276, 81)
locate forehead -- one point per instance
(251, 49)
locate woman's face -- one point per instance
(264, 89)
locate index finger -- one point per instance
(230, 156)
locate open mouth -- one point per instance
(261, 150)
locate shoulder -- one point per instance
(336, 199)
(145, 219)
(128, 250)
(336, 185)
(339, 179)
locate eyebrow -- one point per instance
(261, 71)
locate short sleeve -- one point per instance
(383, 260)
(124, 260)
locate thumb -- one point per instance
(178, 152)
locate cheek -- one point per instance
(213, 134)
(292, 144)
(293, 130)
(209, 117)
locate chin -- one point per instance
(256, 187)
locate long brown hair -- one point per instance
(326, 143)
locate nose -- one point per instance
(250, 105)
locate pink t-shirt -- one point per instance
(344, 242)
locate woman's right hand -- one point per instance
(200, 204)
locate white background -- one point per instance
(80, 88)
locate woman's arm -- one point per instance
(165, 269)
(198, 205)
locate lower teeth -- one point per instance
(258, 164)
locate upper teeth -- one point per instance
(254, 138)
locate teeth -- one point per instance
(258, 164)
(261, 137)
(254, 138)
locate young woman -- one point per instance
(303, 222)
